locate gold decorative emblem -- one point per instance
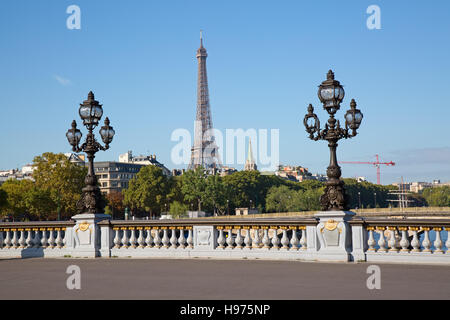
(83, 226)
(331, 224)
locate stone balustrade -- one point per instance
(34, 239)
(408, 240)
(328, 236)
(261, 238)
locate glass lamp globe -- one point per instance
(90, 111)
(331, 93)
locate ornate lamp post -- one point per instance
(90, 112)
(331, 94)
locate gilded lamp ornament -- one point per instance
(331, 94)
(90, 112)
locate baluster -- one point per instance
(173, 238)
(1, 239)
(303, 238)
(149, 238)
(141, 240)
(157, 238)
(248, 239)
(415, 243)
(51, 239)
(371, 241)
(22, 242)
(230, 240)
(190, 239)
(133, 238)
(392, 240)
(8, 242)
(15, 240)
(116, 240)
(125, 239)
(275, 241)
(238, 239)
(165, 238)
(59, 240)
(29, 239)
(447, 243)
(426, 243)
(266, 240)
(284, 239)
(438, 242)
(404, 243)
(181, 238)
(294, 239)
(37, 239)
(64, 233)
(382, 240)
(44, 239)
(220, 238)
(256, 238)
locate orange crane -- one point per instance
(375, 163)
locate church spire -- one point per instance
(250, 162)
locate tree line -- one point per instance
(57, 186)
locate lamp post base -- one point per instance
(87, 238)
(334, 234)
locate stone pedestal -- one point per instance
(335, 236)
(205, 238)
(86, 235)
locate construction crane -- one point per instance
(376, 164)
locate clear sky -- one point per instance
(266, 59)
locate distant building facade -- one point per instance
(115, 176)
(144, 160)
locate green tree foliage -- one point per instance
(246, 186)
(285, 199)
(194, 185)
(371, 195)
(437, 196)
(147, 191)
(216, 194)
(61, 180)
(178, 209)
(16, 198)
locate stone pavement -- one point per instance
(199, 279)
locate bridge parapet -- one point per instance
(407, 240)
(338, 236)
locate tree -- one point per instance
(285, 199)
(115, 203)
(194, 186)
(16, 195)
(178, 209)
(61, 179)
(437, 196)
(279, 199)
(246, 186)
(40, 205)
(216, 194)
(147, 191)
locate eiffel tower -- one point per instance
(204, 152)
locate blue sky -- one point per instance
(266, 59)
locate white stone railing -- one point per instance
(335, 236)
(408, 240)
(261, 238)
(34, 239)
